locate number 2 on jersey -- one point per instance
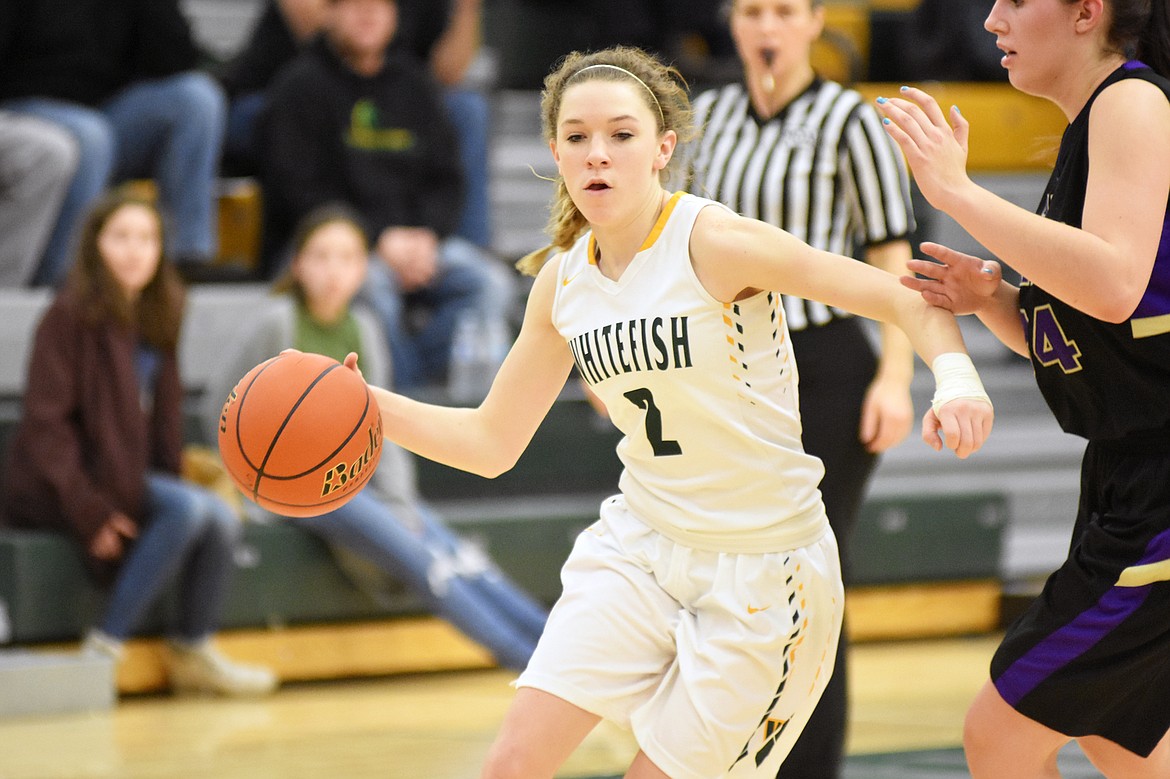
(644, 399)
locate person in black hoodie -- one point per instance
(351, 120)
(280, 30)
(121, 76)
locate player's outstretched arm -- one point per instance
(733, 256)
(887, 410)
(488, 440)
(964, 284)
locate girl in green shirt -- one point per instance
(386, 533)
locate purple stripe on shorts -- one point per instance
(1077, 637)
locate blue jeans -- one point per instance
(169, 129)
(240, 142)
(469, 111)
(187, 540)
(455, 579)
(468, 280)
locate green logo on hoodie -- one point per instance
(365, 132)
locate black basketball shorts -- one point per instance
(1091, 656)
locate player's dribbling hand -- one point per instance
(960, 283)
(962, 425)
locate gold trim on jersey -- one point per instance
(1141, 575)
(661, 221)
(655, 231)
(1150, 325)
(734, 336)
(772, 726)
(735, 342)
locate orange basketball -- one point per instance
(300, 434)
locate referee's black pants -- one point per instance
(836, 364)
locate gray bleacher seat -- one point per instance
(217, 315)
(221, 27)
(20, 311)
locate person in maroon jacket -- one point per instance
(97, 452)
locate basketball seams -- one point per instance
(276, 437)
(332, 455)
(240, 408)
(329, 505)
(257, 411)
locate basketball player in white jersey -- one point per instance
(702, 610)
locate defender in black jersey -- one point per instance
(1090, 659)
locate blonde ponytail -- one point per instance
(565, 225)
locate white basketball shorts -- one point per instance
(714, 660)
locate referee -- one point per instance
(809, 156)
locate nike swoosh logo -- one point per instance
(565, 283)
(752, 610)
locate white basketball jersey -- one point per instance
(705, 393)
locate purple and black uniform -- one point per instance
(1091, 656)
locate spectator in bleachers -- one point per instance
(760, 139)
(281, 30)
(121, 77)
(385, 534)
(37, 161)
(98, 449)
(352, 120)
(443, 33)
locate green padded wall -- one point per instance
(287, 576)
(929, 538)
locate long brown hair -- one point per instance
(158, 313)
(665, 95)
(1140, 29)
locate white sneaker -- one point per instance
(201, 668)
(98, 644)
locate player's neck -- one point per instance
(1073, 98)
(617, 244)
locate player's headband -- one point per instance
(631, 75)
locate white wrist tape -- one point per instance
(955, 377)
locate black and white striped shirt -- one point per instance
(822, 169)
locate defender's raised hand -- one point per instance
(935, 144)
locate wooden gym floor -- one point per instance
(908, 696)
